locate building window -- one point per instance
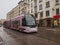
(36, 15)
(57, 2)
(31, 4)
(40, 7)
(47, 13)
(40, 1)
(35, 8)
(31, 0)
(47, 4)
(19, 11)
(41, 14)
(31, 10)
(28, 0)
(19, 7)
(57, 11)
(35, 2)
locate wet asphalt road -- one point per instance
(12, 37)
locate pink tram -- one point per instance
(24, 23)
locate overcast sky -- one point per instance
(6, 6)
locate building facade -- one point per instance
(13, 13)
(2, 21)
(23, 7)
(45, 11)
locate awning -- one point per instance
(56, 16)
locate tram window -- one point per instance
(24, 22)
(18, 22)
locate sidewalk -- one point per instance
(49, 28)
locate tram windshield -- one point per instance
(30, 20)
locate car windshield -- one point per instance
(30, 20)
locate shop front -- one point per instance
(56, 21)
(47, 22)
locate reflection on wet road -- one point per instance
(11, 37)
